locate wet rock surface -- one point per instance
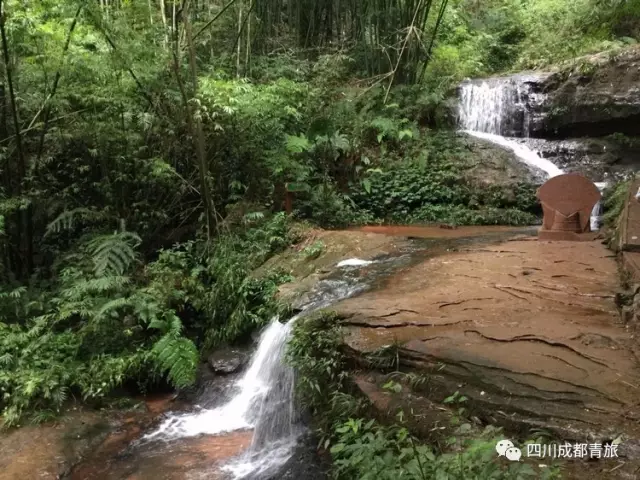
(597, 96)
(55, 450)
(228, 360)
(543, 349)
(495, 166)
(306, 463)
(604, 159)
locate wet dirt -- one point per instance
(437, 231)
(52, 450)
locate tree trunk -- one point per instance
(163, 13)
(21, 216)
(203, 166)
(239, 41)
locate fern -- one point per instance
(297, 144)
(178, 357)
(174, 354)
(102, 285)
(113, 254)
(111, 307)
(6, 359)
(70, 218)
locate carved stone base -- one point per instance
(559, 236)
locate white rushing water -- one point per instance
(495, 106)
(524, 153)
(264, 398)
(239, 412)
(353, 262)
(487, 109)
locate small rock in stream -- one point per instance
(227, 360)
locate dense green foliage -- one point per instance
(146, 147)
(614, 199)
(363, 448)
(102, 322)
(480, 38)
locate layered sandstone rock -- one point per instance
(528, 330)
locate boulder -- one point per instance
(227, 360)
(595, 96)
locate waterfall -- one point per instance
(492, 108)
(596, 213)
(496, 108)
(264, 398)
(265, 370)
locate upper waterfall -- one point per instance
(496, 108)
(499, 106)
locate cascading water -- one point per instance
(264, 400)
(492, 108)
(488, 110)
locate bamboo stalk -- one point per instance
(239, 41)
(248, 45)
(163, 14)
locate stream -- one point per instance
(248, 426)
(490, 108)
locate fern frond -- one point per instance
(6, 360)
(112, 306)
(178, 356)
(69, 218)
(297, 144)
(113, 254)
(88, 288)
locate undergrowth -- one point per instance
(107, 321)
(360, 446)
(614, 198)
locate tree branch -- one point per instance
(46, 107)
(216, 16)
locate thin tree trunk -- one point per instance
(21, 159)
(198, 133)
(47, 102)
(248, 46)
(441, 12)
(239, 41)
(163, 13)
(173, 20)
(210, 22)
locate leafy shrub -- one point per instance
(314, 351)
(461, 215)
(105, 322)
(92, 333)
(328, 208)
(406, 186)
(212, 287)
(614, 199)
(368, 451)
(363, 449)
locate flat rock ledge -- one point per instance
(528, 330)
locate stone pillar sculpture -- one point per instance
(567, 201)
